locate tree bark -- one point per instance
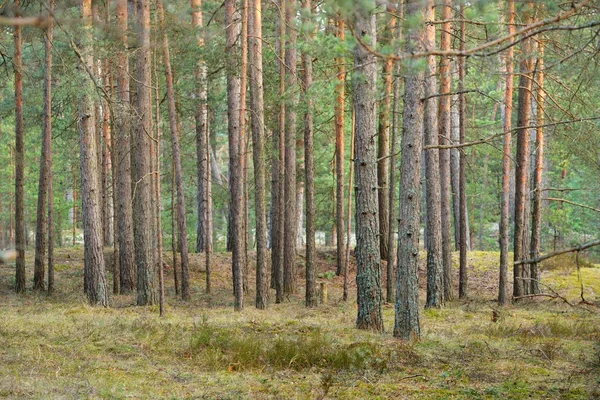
(232, 29)
(43, 196)
(368, 256)
(244, 138)
(94, 276)
(435, 270)
(339, 151)
(462, 190)
(122, 139)
(349, 205)
(142, 206)
(406, 325)
(521, 173)
(258, 151)
(445, 133)
(19, 163)
(290, 216)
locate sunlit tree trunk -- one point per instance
(339, 151)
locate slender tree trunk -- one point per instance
(258, 151)
(95, 287)
(506, 158)
(142, 205)
(122, 140)
(349, 205)
(40, 234)
(383, 147)
(74, 209)
(201, 116)
(176, 150)
(521, 173)
(536, 220)
(174, 229)
(462, 190)
(339, 151)
(244, 138)
(236, 183)
(290, 216)
(311, 296)
(435, 270)
(115, 210)
(368, 256)
(48, 43)
(208, 227)
(406, 325)
(278, 165)
(19, 163)
(445, 133)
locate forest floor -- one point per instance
(59, 347)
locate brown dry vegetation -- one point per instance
(58, 347)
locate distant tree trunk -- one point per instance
(482, 210)
(349, 205)
(74, 209)
(236, 184)
(244, 138)
(368, 256)
(278, 165)
(339, 151)
(383, 147)
(462, 190)
(19, 163)
(142, 205)
(311, 296)
(406, 325)
(208, 227)
(201, 115)
(110, 87)
(445, 133)
(536, 219)
(176, 150)
(174, 229)
(94, 275)
(291, 218)
(48, 42)
(521, 173)
(435, 265)
(122, 140)
(42, 209)
(258, 151)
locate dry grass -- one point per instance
(59, 347)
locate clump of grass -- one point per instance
(222, 348)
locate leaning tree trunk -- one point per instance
(176, 151)
(19, 163)
(258, 151)
(95, 280)
(142, 205)
(40, 234)
(290, 216)
(435, 289)
(122, 140)
(406, 325)
(445, 132)
(521, 173)
(368, 257)
(339, 151)
(235, 152)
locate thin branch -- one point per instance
(40, 20)
(572, 203)
(581, 247)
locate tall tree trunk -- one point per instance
(122, 140)
(95, 286)
(42, 209)
(521, 173)
(462, 190)
(244, 138)
(506, 158)
(19, 163)
(536, 219)
(258, 151)
(349, 205)
(236, 184)
(311, 296)
(290, 216)
(142, 205)
(435, 270)
(368, 256)
(48, 80)
(174, 229)
(406, 325)
(339, 151)
(201, 115)
(445, 133)
(278, 165)
(176, 150)
(383, 147)
(157, 193)
(208, 227)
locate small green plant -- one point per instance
(326, 275)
